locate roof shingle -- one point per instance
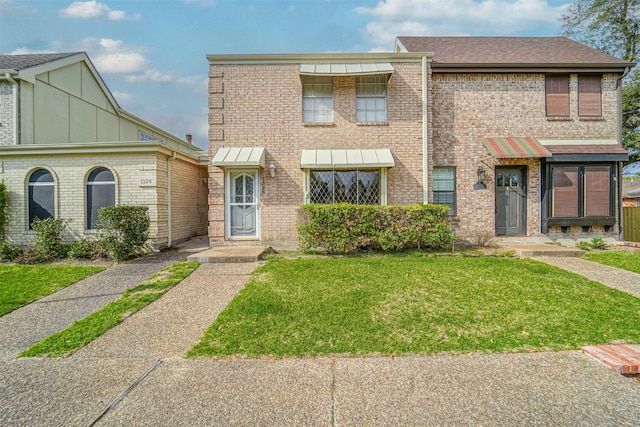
(20, 62)
(515, 51)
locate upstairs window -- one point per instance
(557, 95)
(589, 96)
(444, 188)
(41, 196)
(317, 99)
(371, 98)
(101, 192)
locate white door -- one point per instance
(242, 204)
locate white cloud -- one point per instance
(128, 62)
(201, 3)
(123, 97)
(94, 9)
(27, 51)
(456, 17)
(120, 62)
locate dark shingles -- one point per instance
(20, 62)
(509, 51)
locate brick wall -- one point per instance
(70, 174)
(468, 107)
(6, 114)
(261, 105)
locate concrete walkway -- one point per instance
(613, 277)
(549, 388)
(29, 324)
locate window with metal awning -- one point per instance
(239, 157)
(356, 176)
(345, 69)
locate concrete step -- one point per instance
(228, 254)
(624, 358)
(530, 250)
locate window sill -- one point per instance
(318, 124)
(591, 119)
(372, 123)
(559, 119)
(590, 220)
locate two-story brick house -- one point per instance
(67, 149)
(519, 136)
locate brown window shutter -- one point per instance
(557, 94)
(597, 187)
(565, 192)
(589, 96)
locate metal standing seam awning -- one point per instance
(239, 156)
(348, 69)
(515, 147)
(346, 159)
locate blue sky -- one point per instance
(151, 53)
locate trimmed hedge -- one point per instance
(124, 230)
(345, 228)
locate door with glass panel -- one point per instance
(242, 204)
(511, 202)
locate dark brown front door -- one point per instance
(511, 202)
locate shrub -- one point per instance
(598, 243)
(83, 249)
(4, 201)
(585, 246)
(9, 253)
(345, 228)
(124, 230)
(48, 243)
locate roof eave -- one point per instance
(298, 58)
(539, 67)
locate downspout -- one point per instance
(169, 217)
(619, 168)
(425, 129)
(15, 107)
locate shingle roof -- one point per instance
(20, 62)
(514, 51)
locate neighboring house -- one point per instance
(67, 149)
(631, 193)
(519, 136)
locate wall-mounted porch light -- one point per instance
(272, 170)
(482, 175)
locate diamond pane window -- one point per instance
(360, 187)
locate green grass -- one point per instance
(626, 260)
(91, 327)
(22, 284)
(410, 305)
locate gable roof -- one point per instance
(20, 62)
(510, 52)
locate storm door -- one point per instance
(242, 204)
(511, 202)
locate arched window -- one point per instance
(41, 196)
(101, 192)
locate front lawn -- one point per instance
(417, 305)
(22, 284)
(626, 260)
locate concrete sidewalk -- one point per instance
(559, 388)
